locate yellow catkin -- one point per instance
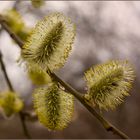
(53, 106)
(10, 103)
(38, 76)
(109, 83)
(16, 23)
(50, 42)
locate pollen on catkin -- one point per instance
(50, 42)
(10, 103)
(109, 83)
(53, 107)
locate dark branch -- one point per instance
(5, 73)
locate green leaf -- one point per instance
(14, 20)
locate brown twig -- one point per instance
(107, 125)
(5, 73)
(22, 117)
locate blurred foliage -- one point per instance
(37, 3)
(16, 23)
(109, 83)
(10, 103)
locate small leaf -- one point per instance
(10, 103)
(108, 83)
(53, 106)
(50, 43)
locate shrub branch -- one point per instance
(107, 125)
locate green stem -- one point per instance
(107, 125)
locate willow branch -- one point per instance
(107, 125)
(30, 116)
(22, 117)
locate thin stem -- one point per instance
(5, 73)
(22, 117)
(31, 116)
(107, 125)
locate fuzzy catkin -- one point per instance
(37, 75)
(53, 106)
(16, 24)
(50, 42)
(109, 83)
(10, 103)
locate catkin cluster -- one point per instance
(47, 49)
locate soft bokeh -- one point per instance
(105, 30)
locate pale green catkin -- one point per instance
(50, 42)
(53, 106)
(10, 103)
(14, 20)
(16, 23)
(37, 75)
(109, 83)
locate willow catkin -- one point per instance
(14, 20)
(16, 24)
(53, 106)
(108, 83)
(50, 42)
(10, 103)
